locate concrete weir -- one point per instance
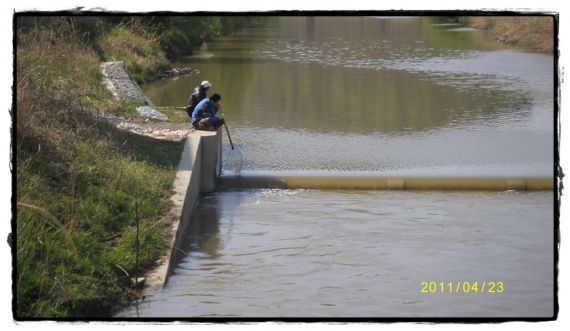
(388, 183)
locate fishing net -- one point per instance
(233, 160)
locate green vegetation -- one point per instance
(139, 49)
(146, 44)
(179, 35)
(82, 185)
(76, 220)
(175, 115)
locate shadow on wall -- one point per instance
(211, 224)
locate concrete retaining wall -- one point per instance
(198, 172)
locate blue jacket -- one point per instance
(205, 108)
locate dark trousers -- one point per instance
(205, 124)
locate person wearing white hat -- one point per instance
(198, 94)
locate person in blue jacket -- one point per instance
(204, 115)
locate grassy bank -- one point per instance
(137, 47)
(148, 44)
(533, 33)
(81, 184)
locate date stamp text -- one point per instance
(462, 287)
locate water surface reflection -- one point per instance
(378, 94)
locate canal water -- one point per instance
(410, 96)
(305, 253)
(380, 96)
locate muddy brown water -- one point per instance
(369, 96)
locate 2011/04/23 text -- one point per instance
(464, 287)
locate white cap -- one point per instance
(205, 84)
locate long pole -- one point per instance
(229, 137)
(228, 132)
(170, 107)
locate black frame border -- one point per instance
(558, 173)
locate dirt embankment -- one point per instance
(533, 33)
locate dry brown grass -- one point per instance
(534, 33)
(56, 75)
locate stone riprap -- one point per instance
(150, 112)
(123, 87)
(120, 84)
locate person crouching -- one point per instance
(204, 115)
(198, 94)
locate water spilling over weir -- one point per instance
(371, 182)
